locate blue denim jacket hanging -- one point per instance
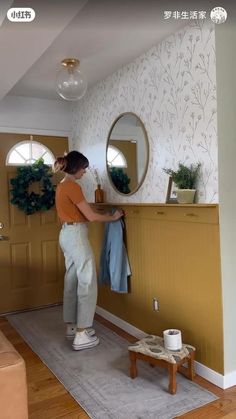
(114, 263)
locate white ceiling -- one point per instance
(103, 34)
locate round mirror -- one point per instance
(127, 153)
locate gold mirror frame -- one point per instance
(139, 184)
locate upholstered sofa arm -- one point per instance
(13, 387)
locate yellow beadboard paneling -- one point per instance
(175, 258)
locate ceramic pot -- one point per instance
(185, 196)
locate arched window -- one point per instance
(27, 152)
(115, 157)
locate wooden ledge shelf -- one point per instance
(120, 204)
(188, 213)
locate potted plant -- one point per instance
(185, 178)
(120, 179)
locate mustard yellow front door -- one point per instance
(31, 262)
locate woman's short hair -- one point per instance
(71, 162)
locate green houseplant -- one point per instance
(185, 178)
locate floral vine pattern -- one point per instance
(172, 88)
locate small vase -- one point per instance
(99, 195)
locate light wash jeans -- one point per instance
(80, 286)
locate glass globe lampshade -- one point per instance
(71, 84)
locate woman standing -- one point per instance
(80, 286)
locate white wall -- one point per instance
(172, 88)
(226, 110)
(35, 116)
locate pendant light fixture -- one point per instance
(71, 84)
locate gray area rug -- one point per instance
(99, 379)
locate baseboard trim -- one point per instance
(127, 327)
(209, 374)
(230, 379)
(222, 381)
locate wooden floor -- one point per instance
(48, 399)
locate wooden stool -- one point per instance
(151, 349)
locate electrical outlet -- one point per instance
(155, 304)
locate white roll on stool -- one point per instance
(172, 339)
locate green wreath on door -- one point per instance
(31, 202)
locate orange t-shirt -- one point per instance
(68, 194)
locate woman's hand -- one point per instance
(117, 214)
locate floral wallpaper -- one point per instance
(172, 88)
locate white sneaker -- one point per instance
(90, 331)
(71, 331)
(83, 340)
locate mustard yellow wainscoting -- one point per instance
(174, 253)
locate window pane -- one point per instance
(37, 151)
(111, 154)
(30, 161)
(27, 152)
(15, 158)
(115, 157)
(48, 158)
(118, 161)
(24, 150)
